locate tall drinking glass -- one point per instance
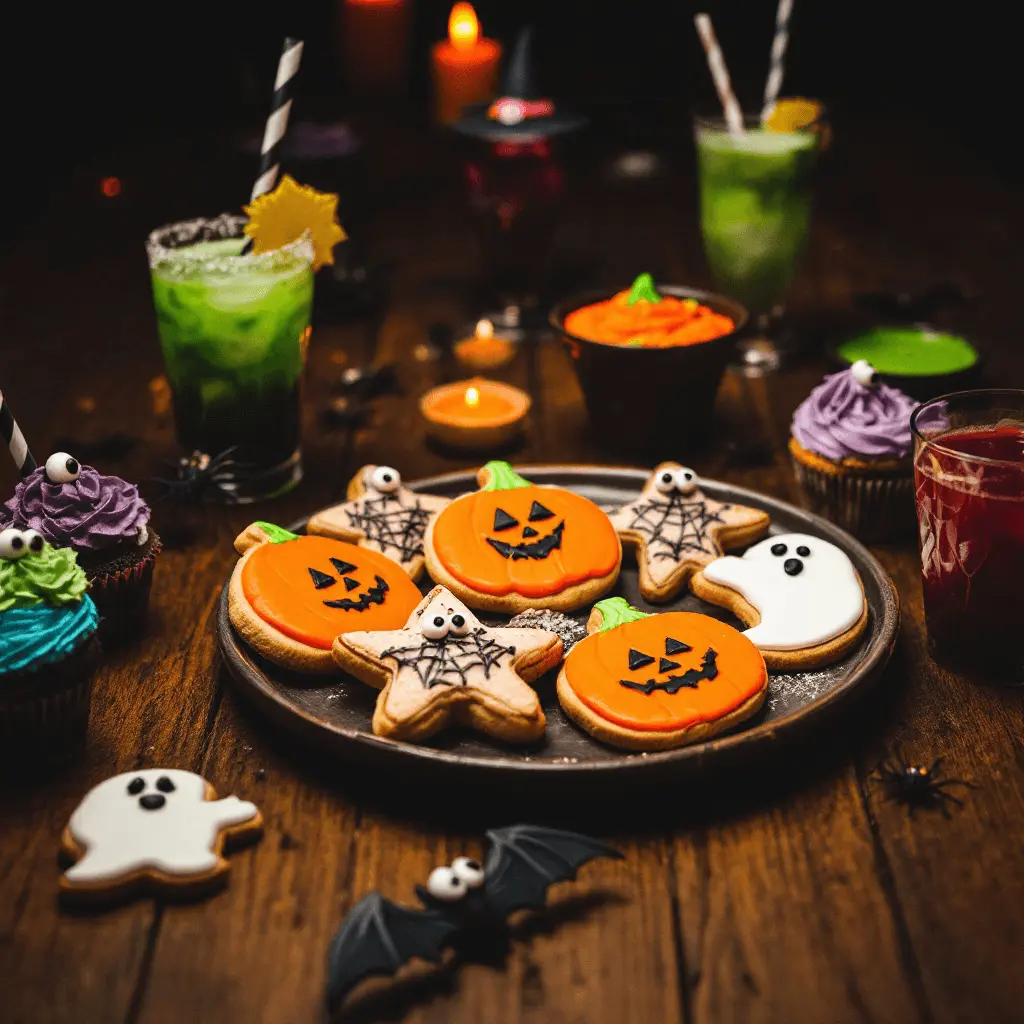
(969, 480)
(234, 330)
(755, 210)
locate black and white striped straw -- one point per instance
(777, 67)
(277, 121)
(15, 439)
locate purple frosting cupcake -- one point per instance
(105, 521)
(851, 447)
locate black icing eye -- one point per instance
(136, 786)
(793, 566)
(803, 551)
(165, 785)
(779, 549)
(503, 521)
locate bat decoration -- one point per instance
(379, 936)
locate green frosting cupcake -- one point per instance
(51, 575)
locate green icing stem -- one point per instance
(277, 534)
(617, 611)
(910, 351)
(643, 288)
(503, 477)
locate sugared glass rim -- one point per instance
(227, 225)
(993, 394)
(717, 122)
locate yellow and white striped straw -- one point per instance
(719, 74)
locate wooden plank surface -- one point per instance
(800, 894)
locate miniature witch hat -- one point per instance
(520, 113)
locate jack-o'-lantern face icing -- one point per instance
(662, 673)
(676, 529)
(514, 537)
(314, 588)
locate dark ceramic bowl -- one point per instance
(651, 401)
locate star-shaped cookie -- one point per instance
(383, 515)
(675, 529)
(446, 666)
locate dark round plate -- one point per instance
(334, 713)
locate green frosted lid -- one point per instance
(910, 351)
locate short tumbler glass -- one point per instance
(234, 330)
(969, 481)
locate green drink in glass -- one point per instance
(755, 210)
(234, 330)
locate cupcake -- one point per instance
(105, 522)
(48, 645)
(851, 449)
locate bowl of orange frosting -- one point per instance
(649, 360)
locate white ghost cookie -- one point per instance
(383, 515)
(800, 596)
(161, 827)
(446, 666)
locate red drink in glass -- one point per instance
(969, 477)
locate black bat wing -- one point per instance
(378, 937)
(525, 859)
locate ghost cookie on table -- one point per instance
(446, 666)
(800, 597)
(653, 682)
(290, 596)
(383, 515)
(675, 529)
(161, 829)
(514, 545)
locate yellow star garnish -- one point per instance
(279, 217)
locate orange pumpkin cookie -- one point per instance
(675, 529)
(290, 596)
(381, 515)
(652, 682)
(447, 666)
(514, 545)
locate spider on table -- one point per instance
(917, 786)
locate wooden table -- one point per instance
(798, 893)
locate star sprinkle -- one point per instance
(676, 529)
(447, 666)
(279, 217)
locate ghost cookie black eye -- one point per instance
(792, 566)
(136, 786)
(165, 785)
(61, 468)
(803, 551)
(779, 550)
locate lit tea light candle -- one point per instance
(475, 413)
(484, 350)
(465, 67)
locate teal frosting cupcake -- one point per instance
(46, 620)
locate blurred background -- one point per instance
(90, 80)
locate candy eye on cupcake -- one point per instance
(385, 479)
(62, 468)
(16, 543)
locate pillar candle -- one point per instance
(465, 66)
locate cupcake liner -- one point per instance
(872, 507)
(45, 711)
(122, 596)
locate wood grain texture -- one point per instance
(800, 893)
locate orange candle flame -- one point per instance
(463, 26)
(472, 397)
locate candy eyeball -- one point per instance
(445, 884)
(686, 480)
(665, 481)
(34, 540)
(385, 479)
(460, 625)
(470, 871)
(435, 626)
(12, 543)
(61, 468)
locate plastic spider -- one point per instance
(917, 786)
(201, 477)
